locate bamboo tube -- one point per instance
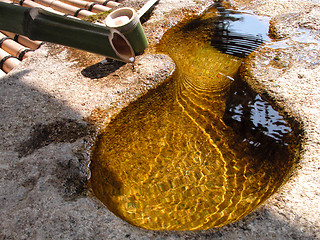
(7, 62)
(90, 6)
(14, 48)
(107, 3)
(65, 8)
(25, 41)
(27, 3)
(32, 4)
(39, 24)
(97, 8)
(126, 21)
(2, 73)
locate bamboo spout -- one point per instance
(39, 24)
(127, 21)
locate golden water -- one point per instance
(169, 161)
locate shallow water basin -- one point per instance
(202, 150)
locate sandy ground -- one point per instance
(54, 103)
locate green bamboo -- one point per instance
(39, 24)
(132, 29)
(12, 17)
(137, 38)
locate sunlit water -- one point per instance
(200, 151)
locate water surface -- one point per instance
(200, 151)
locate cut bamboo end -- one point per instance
(24, 40)
(7, 61)
(126, 21)
(121, 46)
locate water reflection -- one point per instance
(200, 151)
(247, 109)
(238, 33)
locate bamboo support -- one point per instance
(23, 40)
(65, 8)
(90, 6)
(39, 24)
(32, 4)
(14, 48)
(107, 3)
(7, 61)
(27, 3)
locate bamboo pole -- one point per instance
(23, 40)
(32, 4)
(14, 48)
(90, 6)
(107, 3)
(39, 24)
(7, 1)
(65, 8)
(7, 61)
(27, 3)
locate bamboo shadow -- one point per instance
(102, 69)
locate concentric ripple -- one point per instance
(180, 157)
